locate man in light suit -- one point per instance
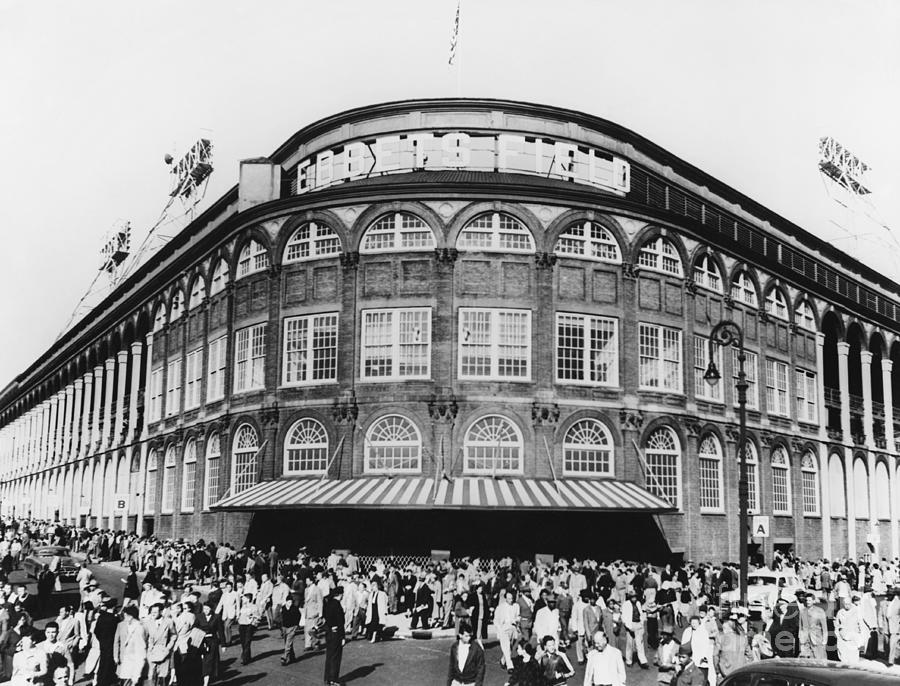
(892, 613)
(227, 609)
(466, 660)
(69, 630)
(634, 619)
(160, 642)
(313, 603)
(813, 628)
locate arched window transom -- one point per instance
(776, 305)
(743, 290)
(399, 231)
(393, 444)
(220, 278)
(710, 456)
(663, 455)
(781, 481)
(588, 240)
(312, 241)
(253, 258)
(661, 255)
(588, 449)
(493, 445)
(244, 459)
(306, 448)
(707, 275)
(809, 478)
(496, 232)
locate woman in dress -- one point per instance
(210, 623)
(29, 663)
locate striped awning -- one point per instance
(414, 492)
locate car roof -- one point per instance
(824, 671)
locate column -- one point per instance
(843, 350)
(60, 426)
(886, 369)
(67, 425)
(51, 429)
(147, 385)
(825, 509)
(140, 496)
(135, 384)
(85, 448)
(121, 400)
(851, 505)
(96, 437)
(76, 419)
(868, 413)
(106, 430)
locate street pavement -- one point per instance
(398, 662)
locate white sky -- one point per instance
(93, 94)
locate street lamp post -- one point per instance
(727, 333)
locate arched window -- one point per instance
(806, 318)
(168, 503)
(706, 273)
(776, 305)
(175, 311)
(244, 459)
(588, 449)
(752, 477)
(837, 501)
(393, 444)
(159, 319)
(220, 278)
(493, 445)
(397, 231)
(660, 254)
(710, 454)
(495, 232)
(590, 241)
(150, 489)
(213, 467)
(198, 293)
(860, 489)
(882, 492)
(189, 476)
(809, 476)
(663, 455)
(743, 290)
(306, 448)
(781, 481)
(312, 241)
(253, 258)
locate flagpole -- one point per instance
(458, 55)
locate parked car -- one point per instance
(43, 555)
(806, 672)
(764, 587)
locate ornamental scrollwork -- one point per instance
(631, 420)
(443, 409)
(544, 260)
(446, 255)
(345, 410)
(350, 260)
(544, 414)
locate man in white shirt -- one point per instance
(280, 592)
(605, 666)
(697, 635)
(228, 607)
(634, 619)
(546, 620)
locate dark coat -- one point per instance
(472, 671)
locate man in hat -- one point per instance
(689, 674)
(334, 635)
(786, 630)
(526, 611)
(813, 627)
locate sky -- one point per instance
(94, 94)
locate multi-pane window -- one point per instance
(663, 456)
(168, 502)
(781, 482)
(807, 396)
(220, 278)
(310, 349)
(703, 390)
(706, 273)
(587, 349)
(311, 241)
(193, 378)
(253, 258)
(397, 231)
(809, 479)
(493, 445)
(494, 344)
(173, 388)
(306, 448)
(661, 255)
(396, 344)
(590, 241)
(660, 358)
(393, 444)
(805, 316)
(588, 449)
(495, 232)
(198, 292)
(710, 455)
(751, 364)
(215, 370)
(777, 388)
(245, 459)
(250, 358)
(175, 310)
(776, 305)
(150, 487)
(156, 394)
(752, 478)
(213, 465)
(743, 290)
(189, 476)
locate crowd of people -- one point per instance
(185, 603)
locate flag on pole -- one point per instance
(454, 36)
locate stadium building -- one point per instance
(478, 326)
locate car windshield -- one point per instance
(760, 580)
(51, 550)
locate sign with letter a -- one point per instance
(760, 526)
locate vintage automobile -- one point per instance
(806, 672)
(764, 587)
(43, 555)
